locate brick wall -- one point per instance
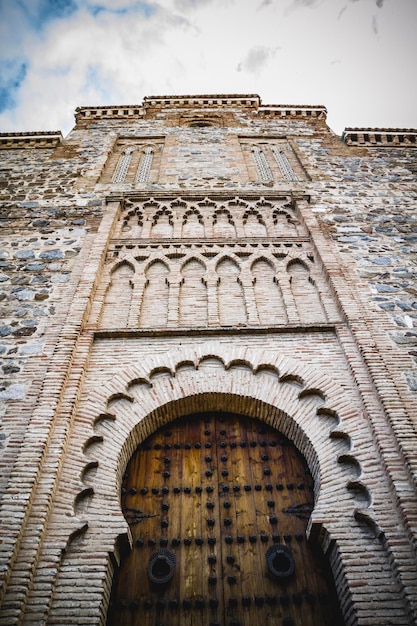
(207, 286)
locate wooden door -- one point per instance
(218, 506)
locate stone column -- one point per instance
(136, 302)
(213, 303)
(174, 283)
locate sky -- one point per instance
(356, 57)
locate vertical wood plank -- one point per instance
(174, 495)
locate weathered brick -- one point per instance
(205, 271)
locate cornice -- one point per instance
(380, 137)
(115, 111)
(204, 102)
(293, 110)
(29, 140)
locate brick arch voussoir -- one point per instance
(229, 256)
(293, 397)
(123, 262)
(157, 259)
(124, 256)
(194, 256)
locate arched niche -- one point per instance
(306, 295)
(193, 295)
(118, 297)
(223, 224)
(193, 224)
(254, 224)
(162, 224)
(230, 295)
(154, 310)
(268, 295)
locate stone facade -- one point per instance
(206, 253)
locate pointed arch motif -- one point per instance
(118, 297)
(133, 222)
(254, 224)
(163, 223)
(268, 295)
(307, 299)
(151, 205)
(193, 224)
(231, 300)
(223, 224)
(154, 310)
(193, 294)
(285, 224)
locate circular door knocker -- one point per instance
(161, 567)
(280, 562)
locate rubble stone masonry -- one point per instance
(205, 253)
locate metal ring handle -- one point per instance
(161, 567)
(280, 562)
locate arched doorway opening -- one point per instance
(218, 506)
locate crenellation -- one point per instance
(41, 140)
(388, 137)
(319, 112)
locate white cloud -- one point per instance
(302, 4)
(265, 3)
(185, 5)
(256, 59)
(118, 51)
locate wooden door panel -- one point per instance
(214, 492)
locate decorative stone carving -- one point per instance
(145, 165)
(264, 170)
(284, 165)
(123, 165)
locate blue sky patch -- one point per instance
(95, 8)
(12, 75)
(40, 12)
(96, 82)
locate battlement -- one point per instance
(387, 137)
(45, 139)
(213, 100)
(293, 110)
(121, 111)
(247, 102)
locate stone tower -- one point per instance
(209, 349)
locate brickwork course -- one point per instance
(197, 253)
